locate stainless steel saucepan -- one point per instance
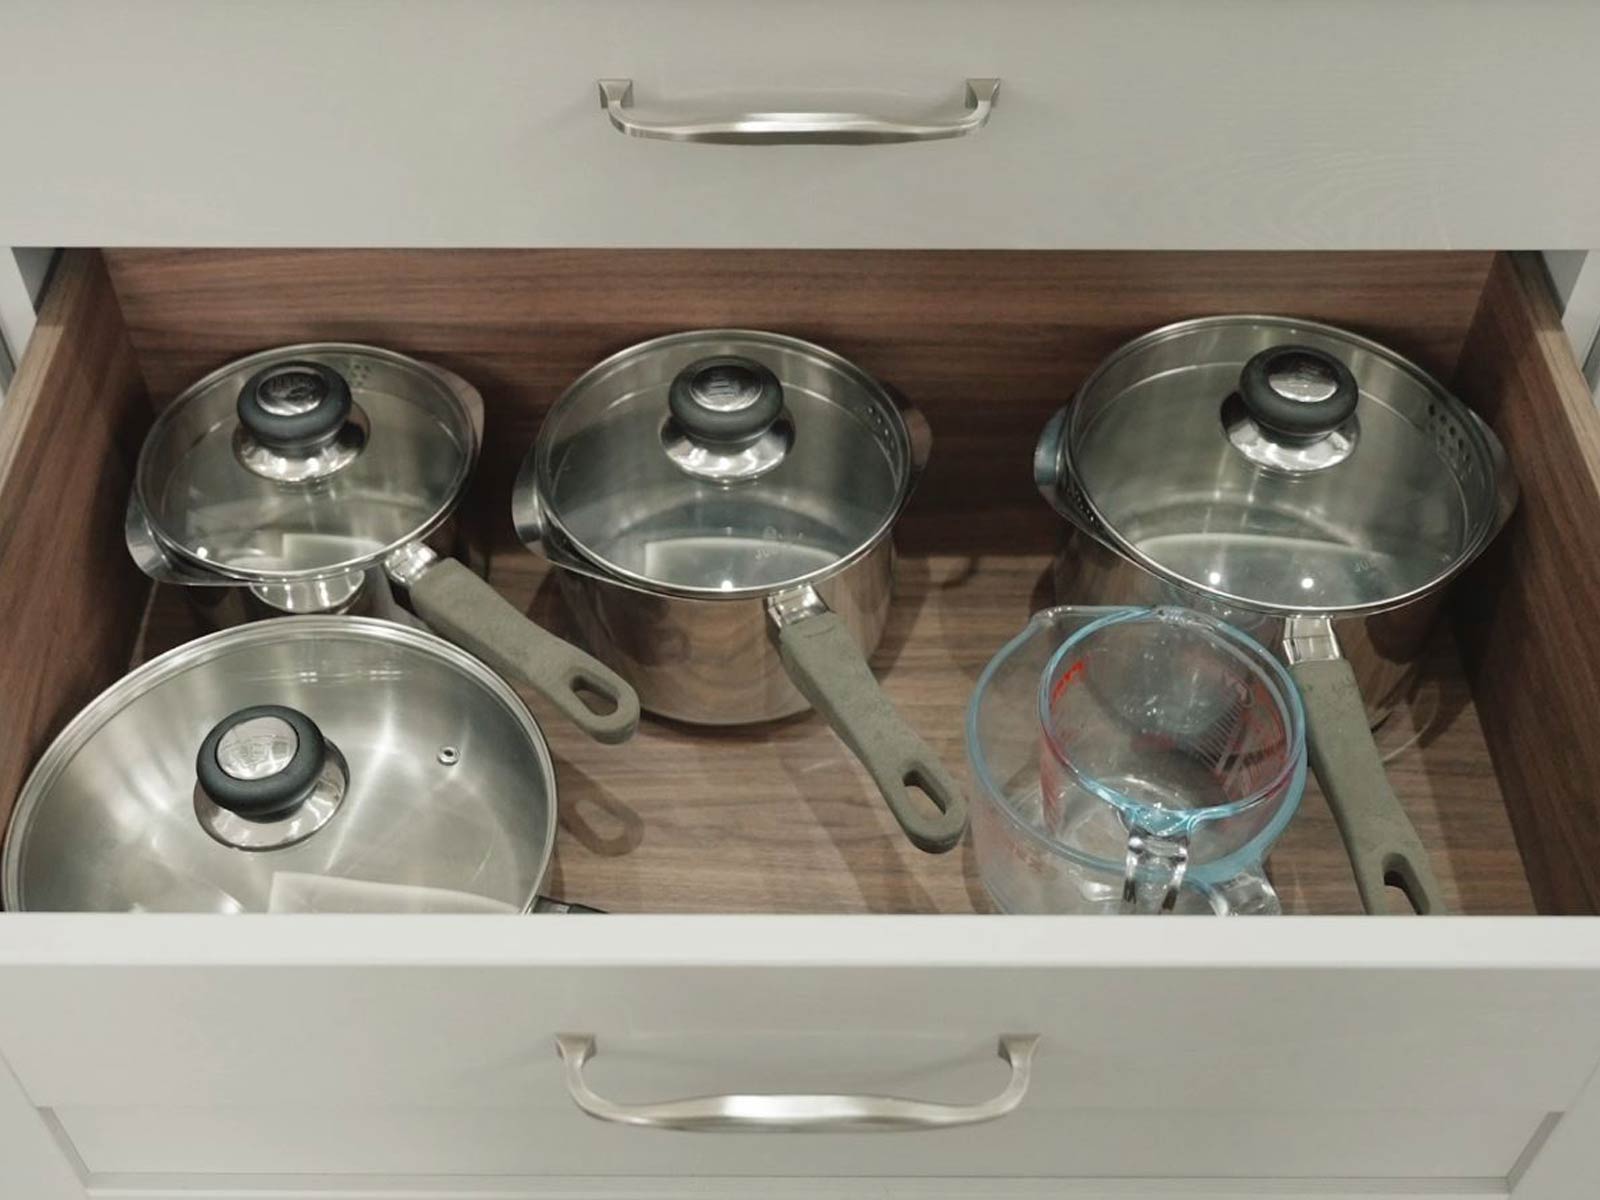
(1304, 484)
(720, 505)
(322, 478)
(326, 763)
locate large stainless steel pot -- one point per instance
(1306, 485)
(308, 764)
(323, 478)
(720, 503)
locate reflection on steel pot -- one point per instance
(1305, 485)
(720, 503)
(317, 478)
(310, 764)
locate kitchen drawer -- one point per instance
(1142, 123)
(190, 1056)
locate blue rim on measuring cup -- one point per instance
(1201, 875)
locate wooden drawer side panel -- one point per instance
(1526, 613)
(70, 597)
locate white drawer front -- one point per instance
(424, 1046)
(1135, 124)
(1047, 1143)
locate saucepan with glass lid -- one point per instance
(1304, 484)
(323, 478)
(720, 504)
(309, 764)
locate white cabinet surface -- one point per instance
(1216, 124)
(1299, 1056)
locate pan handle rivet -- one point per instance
(449, 756)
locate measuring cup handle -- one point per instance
(1153, 864)
(1378, 836)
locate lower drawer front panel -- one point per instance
(1190, 1049)
(1036, 1142)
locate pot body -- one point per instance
(1383, 648)
(715, 662)
(367, 593)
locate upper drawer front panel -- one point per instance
(1138, 124)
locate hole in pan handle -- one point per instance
(1378, 836)
(464, 608)
(826, 664)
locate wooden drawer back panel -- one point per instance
(70, 597)
(987, 343)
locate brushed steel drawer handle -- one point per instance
(768, 128)
(814, 1113)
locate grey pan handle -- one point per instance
(465, 609)
(770, 128)
(769, 1112)
(827, 665)
(1377, 834)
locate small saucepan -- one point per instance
(720, 505)
(323, 763)
(322, 478)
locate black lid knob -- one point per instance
(726, 399)
(261, 762)
(1297, 392)
(295, 406)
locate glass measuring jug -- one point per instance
(1133, 760)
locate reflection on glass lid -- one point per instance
(723, 462)
(122, 814)
(1287, 507)
(306, 460)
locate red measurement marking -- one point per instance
(1060, 685)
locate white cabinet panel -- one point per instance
(33, 1162)
(1129, 124)
(1046, 1143)
(1321, 1048)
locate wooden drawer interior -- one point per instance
(1493, 755)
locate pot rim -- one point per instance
(76, 735)
(1492, 454)
(533, 512)
(249, 575)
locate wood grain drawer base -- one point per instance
(780, 818)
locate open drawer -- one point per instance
(362, 1056)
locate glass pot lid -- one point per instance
(333, 763)
(1283, 465)
(724, 463)
(306, 460)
